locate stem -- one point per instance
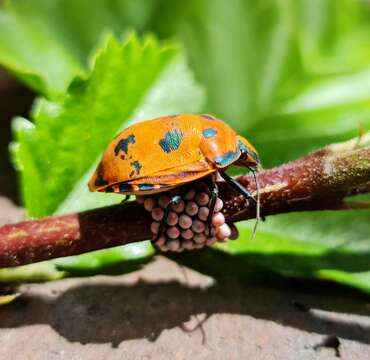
(319, 181)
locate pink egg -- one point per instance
(219, 205)
(202, 198)
(188, 245)
(198, 226)
(173, 245)
(163, 201)
(200, 239)
(185, 221)
(191, 208)
(179, 208)
(172, 218)
(203, 213)
(223, 232)
(149, 204)
(154, 227)
(173, 232)
(218, 219)
(157, 214)
(161, 241)
(187, 234)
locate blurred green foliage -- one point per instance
(290, 75)
(58, 151)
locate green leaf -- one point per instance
(57, 153)
(118, 260)
(325, 248)
(47, 43)
(290, 75)
(244, 53)
(334, 35)
(43, 271)
(328, 245)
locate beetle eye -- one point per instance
(253, 155)
(246, 150)
(242, 147)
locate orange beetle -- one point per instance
(160, 154)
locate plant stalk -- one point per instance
(320, 181)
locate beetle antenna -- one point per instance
(258, 204)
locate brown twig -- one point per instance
(319, 181)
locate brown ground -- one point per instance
(141, 315)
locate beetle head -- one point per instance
(249, 156)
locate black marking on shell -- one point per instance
(124, 143)
(136, 166)
(125, 187)
(100, 181)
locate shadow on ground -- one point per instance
(115, 313)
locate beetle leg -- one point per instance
(127, 198)
(238, 187)
(174, 201)
(213, 188)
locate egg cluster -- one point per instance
(186, 227)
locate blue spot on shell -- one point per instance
(124, 143)
(146, 187)
(209, 132)
(171, 141)
(227, 158)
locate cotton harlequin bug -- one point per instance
(163, 153)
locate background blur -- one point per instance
(291, 75)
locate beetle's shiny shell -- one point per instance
(159, 154)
